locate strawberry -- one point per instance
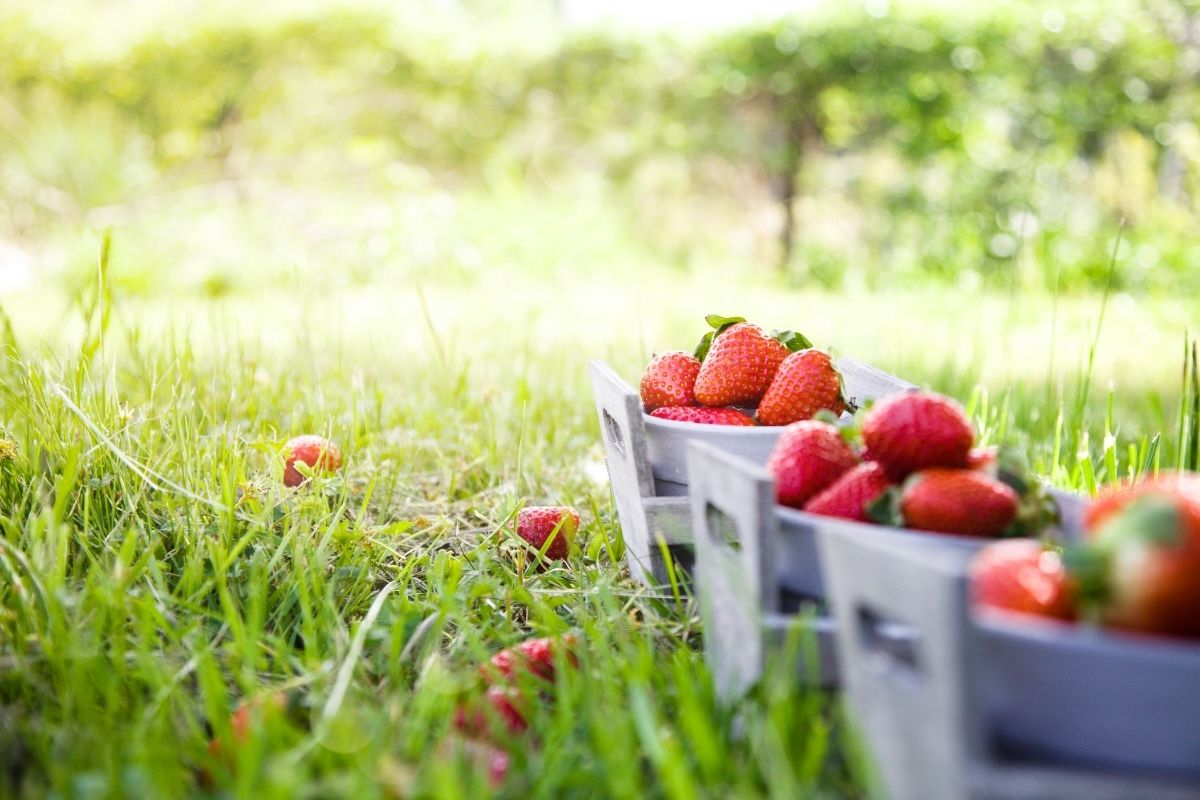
(536, 524)
(500, 704)
(241, 721)
(849, 496)
(1140, 563)
(505, 674)
(669, 380)
(984, 459)
(702, 415)
(960, 501)
(1022, 575)
(317, 452)
(911, 431)
(534, 655)
(739, 366)
(808, 457)
(804, 384)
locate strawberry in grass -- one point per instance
(1140, 566)
(510, 677)
(670, 380)
(315, 452)
(703, 415)
(535, 656)
(1022, 575)
(537, 524)
(808, 457)
(852, 494)
(914, 430)
(739, 361)
(804, 384)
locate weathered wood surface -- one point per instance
(736, 535)
(917, 679)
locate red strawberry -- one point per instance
(317, 452)
(702, 415)
(984, 459)
(808, 457)
(1142, 560)
(500, 703)
(739, 366)
(535, 655)
(960, 501)
(911, 431)
(536, 524)
(804, 384)
(849, 496)
(482, 755)
(669, 380)
(1022, 575)
(241, 721)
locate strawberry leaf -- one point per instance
(719, 323)
(1148, 520)
(792, 340)
(851, 407)
(1088, 566)
(885, 509)
(826, 416)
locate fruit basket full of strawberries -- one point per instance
(1032, 669)
(736, 392)
(916, 476)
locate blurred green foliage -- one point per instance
(999, 146)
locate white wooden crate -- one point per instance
(647, 462)
(955, 705)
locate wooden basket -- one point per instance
(647, 462)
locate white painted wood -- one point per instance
(992, 708)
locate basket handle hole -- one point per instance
(721, 528)
(892, 647)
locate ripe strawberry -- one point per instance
(241, 721)
(320, 454)
(808, 457)
(804, 384)
(960, 501)
(1022, 575)
(499, 704)
(984, 459)
(849, 496)
(911, 431)
(669, 380)
(536, 524)
(482, 755)
(702, 415)
(535, 655)
(1142, 558)
(739, 366)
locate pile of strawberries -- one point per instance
(515, 683)
(1137, 568)
(917, 468)
(740, 375)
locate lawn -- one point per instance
(286, 276)
(157, 573)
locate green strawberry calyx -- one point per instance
(1151, 521)
(792, 340)
(718, 324)
(885, 509)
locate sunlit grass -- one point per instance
(156, 573)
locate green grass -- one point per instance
(154, 573)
